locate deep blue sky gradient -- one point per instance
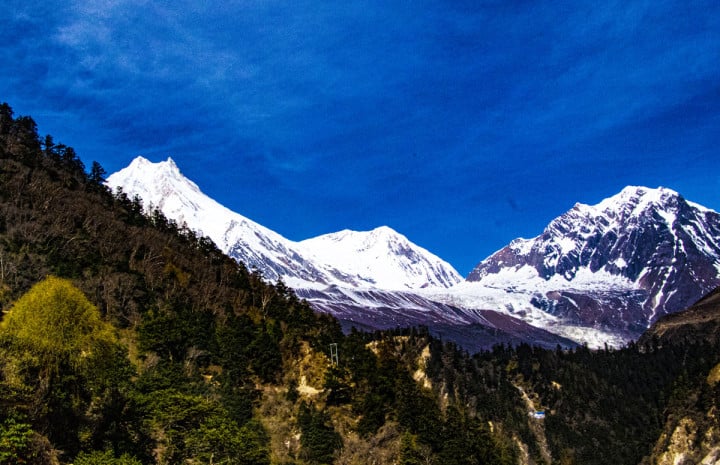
(460, 124)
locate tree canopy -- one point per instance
(57, 323)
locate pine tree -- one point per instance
(97, 173)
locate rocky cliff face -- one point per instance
(689, 443)
(700, 322)
(658, 252)
(692, 432)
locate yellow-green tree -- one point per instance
(58, 325)
(64, 367)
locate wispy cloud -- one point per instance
(422, 109)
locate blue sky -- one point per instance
(460, 124)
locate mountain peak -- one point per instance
(382, 234)
(152, 181)
(385, 230)
(381, 257)
(637, 199)
(139, 161)
(142, 163)
(664, 250)
(169, 166)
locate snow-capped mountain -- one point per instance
(369, 280)
(597, 274)
(385, 258)
(619, 264)
(161, 186)
(381, 258)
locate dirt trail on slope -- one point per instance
(537, 427)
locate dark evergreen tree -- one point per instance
(318, 439)
(97, 173)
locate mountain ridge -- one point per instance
(270, 252)
(596, 274)
(643, 240)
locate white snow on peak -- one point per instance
(162, 186)
(521, 246)
(566, 244)
(381, 258)
(638, 198)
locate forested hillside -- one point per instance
(126, 339)
(196, 352)
(196, 333)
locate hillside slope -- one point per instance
(691, 432)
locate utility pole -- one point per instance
(334, 354)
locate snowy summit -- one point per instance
(381, 258)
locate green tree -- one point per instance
(337, 386)
(6, 118)
(319, 440)
(56, 323)
(220, 440)
(197, 429)
(22, 140)
(57, 347)
(264, 353)
(104, 458)
(97, 173)
(410, 453)
(14, 442)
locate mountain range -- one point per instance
(596, 274)
(381, 258)
(170, 351)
